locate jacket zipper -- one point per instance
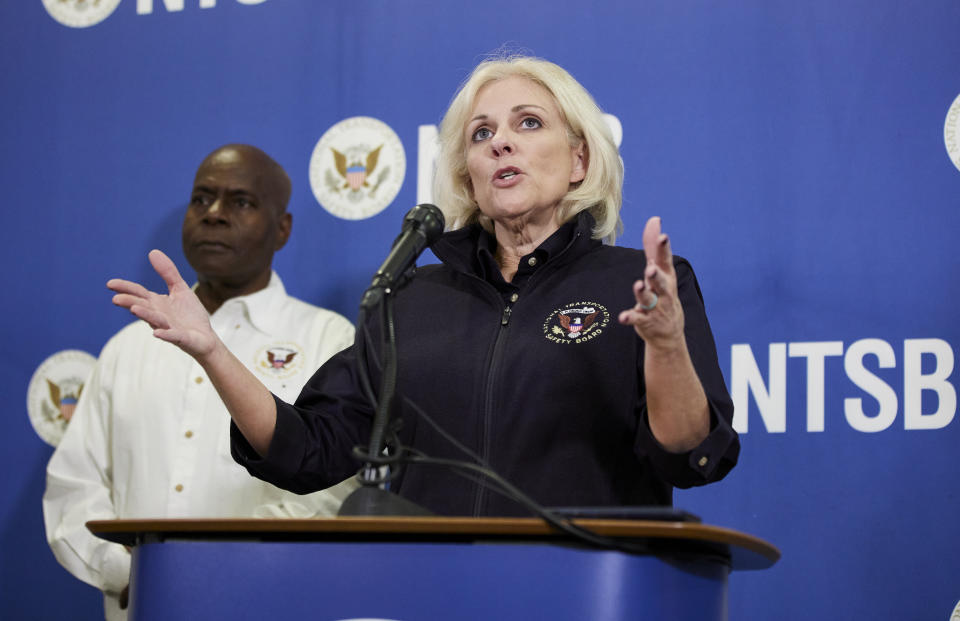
(489, 384)
(486, 433)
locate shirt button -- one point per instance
(703, 461)
(198, 380)
(514, 297)
(179, 487)
(189, 434)
(532, 261)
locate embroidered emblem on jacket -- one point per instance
(577, 322)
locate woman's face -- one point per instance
(519, 158)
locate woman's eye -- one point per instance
(531, 123)
(481, 134)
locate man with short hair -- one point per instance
(150, 438)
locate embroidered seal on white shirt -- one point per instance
(279, 360)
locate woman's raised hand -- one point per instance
(177, 317)
(658, 314)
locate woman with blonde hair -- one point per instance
(508, 350)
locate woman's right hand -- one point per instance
(177, 317)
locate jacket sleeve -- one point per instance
(79, 489)
(713, 458)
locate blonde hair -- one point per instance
(600, 191)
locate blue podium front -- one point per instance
(464, 573)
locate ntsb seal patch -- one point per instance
(357, 168)
(279, 360)
(54, 390)
(577, 322)
(80, 13)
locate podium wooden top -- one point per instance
(745, 551)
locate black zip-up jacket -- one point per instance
(536, 375)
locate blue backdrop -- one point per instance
(798, 152)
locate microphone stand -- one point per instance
(421, 226)
(371, 498)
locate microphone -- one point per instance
(422, 226)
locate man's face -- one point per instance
(234, 223)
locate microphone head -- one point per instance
(428, 218)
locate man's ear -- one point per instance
(284, 226)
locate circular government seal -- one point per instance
(53, 392)
(577, 322)
(80, 13)
(279, 360)
(951, 132)
(357, 168)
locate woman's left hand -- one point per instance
(677, 409)
(658, 315)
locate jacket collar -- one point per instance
(463, 249)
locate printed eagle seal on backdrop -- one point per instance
(80, 13)
(577, 322)
(951, 132)
(54, 390)
(355, 174)
(357, 168)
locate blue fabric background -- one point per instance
(795, 151)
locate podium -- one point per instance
(422, 569)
